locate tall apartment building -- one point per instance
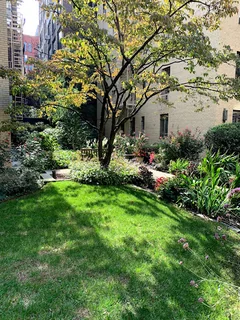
(4, 83)
(50, 31)
(157, 119)
(11, 50)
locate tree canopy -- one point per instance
(118, 51)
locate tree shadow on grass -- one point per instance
(60, 263)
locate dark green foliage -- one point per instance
(183, 145)
(73, 131)
(178, 166)
(204, 189)
(31, 154)
(225, 138)
(63, 158)
(119, 172)
(14, 182)
(4, 152)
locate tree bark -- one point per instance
(107, 158)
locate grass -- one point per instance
(73, 251)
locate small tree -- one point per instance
(118, 51)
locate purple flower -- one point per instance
(192, 283)
(232, 192)
(200, 300)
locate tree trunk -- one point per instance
(107, 159)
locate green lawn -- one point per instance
(73, 251)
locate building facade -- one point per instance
(50, 30)
(4, 83)
(156, 119)
(30, 50)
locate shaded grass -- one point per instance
(74, 251)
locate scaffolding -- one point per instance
(15, 42)
(15, 45)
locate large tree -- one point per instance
(117, 51)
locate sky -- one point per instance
(29, 9)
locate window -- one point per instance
(104, 8)
(236, 116)
(165, 92)
(163, 125)
(237, 73)
(29, 47)
(24, 47)
(142, 124)
(132, 127)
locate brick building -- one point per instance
(30, 50)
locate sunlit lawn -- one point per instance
(72, 251)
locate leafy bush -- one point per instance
(173, 188)
(225, 164)
(119, 172)
(145, 178)
(203, 189)
(63, 158)
(225, 138)
(183, 145)
(4, 152)
(73, 131)
(31, 154)
(160, 183)
(14, 182)
(49, 139)
(178, 166)
(207, 196)
(125, 144)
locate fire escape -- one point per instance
(15, 47)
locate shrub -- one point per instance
(183, 145)
(171, 189)
(225, 164)
(145, 178)
(178, 166)
(49, 139)
(203, 190)
(73, 131)
(15, 182)
(31, 154)
(225, 138)
(130, 144)
(160, 183)
(4, 152)
(119, 172)
(63, 158)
